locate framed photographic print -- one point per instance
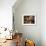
(28, 19)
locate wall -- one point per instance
(33, 31)
(6, 13)
(43, 22)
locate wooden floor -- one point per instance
(9, 43)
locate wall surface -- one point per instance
(6, 13)
(29, 31)
(43, 22)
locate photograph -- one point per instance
(28, 19)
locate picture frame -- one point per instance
(29, 19)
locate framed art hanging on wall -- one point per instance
(28, 19)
